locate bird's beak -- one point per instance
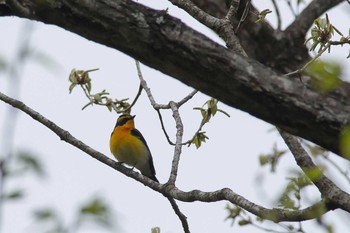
(133, 116)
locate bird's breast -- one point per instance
(127, 148)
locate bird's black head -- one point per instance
(124, 118)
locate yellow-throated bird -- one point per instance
(128, 146)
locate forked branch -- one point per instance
(225, 194)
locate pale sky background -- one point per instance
(228, 159)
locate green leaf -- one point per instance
(98, 211)
(17, 194)
(325, 75)
(86, 105)
(155, 230)
(262, 15)
(286, 202)
(30, 162)
(73, 77)
(244, 222)
(198, 139)
(212, 106)
(88, 86)
(196, 142)
(272, 158)
(71, 87)
(225, 113)
(344, 142)
(203, 111)
(264, 159)
(45, 214)
(233, 212)
(313, 173)
(95, 207)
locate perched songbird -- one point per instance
(128, 146)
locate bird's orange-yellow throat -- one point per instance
(129, 146)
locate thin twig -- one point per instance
(179, 104)
(144, 85)
(188, 142)
(157, 106)
(278, 15)
(163, 128)
(244, 15)
(187, 98)
(181, 216)
(133, 102)
(311, 61)
(291, 8)
(336, 166)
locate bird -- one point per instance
(129, 146)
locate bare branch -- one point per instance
(298, 71)
(278, 15)
(275, 214)
(242, 12)
(134, 101)
(178, 144)
(169, 190)
(187, 98)
(181, 216)
(143, 84)
(177, 150)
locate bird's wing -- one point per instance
(138, 134)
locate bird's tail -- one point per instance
(152, 177)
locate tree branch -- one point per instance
(330, 191)
(305, 19)
(177, 150)
(199, 62)
(169, 190)
(178, 143)
(223, 27)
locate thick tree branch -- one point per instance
(197, 61)
(263, 43)
(222, 27)
(330, 191)
(305, 19)
(169, 190)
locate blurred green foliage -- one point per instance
(272, 158)
(95, 211)
(325, 76)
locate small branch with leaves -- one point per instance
(207, 113)
(321, 37)
(82, 78)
